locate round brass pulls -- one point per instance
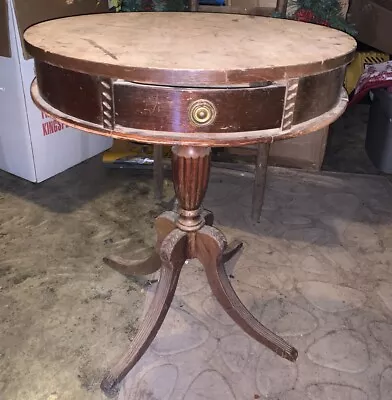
(202, 112)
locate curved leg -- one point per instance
(164, 224)
(231, 250)
(173, 253)
(208, 217)
(132, 268)
(209, 249)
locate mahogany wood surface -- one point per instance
(136, 106)
(173, 255)
(213, 139)
(186, 49)
(192, 238)
(258, 79)
(238, 109)
(164, 224)
(196, 81)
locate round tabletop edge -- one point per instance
(187, 75)
(173, 77)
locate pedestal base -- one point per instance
(164, 224)
(174, 247)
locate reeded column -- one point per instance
(191, 171)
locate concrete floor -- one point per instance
(317, 270)
(64, 316)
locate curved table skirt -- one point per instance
(192, 139)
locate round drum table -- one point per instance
(194, 81)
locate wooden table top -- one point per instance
(189, 48)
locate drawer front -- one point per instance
(117, 105)
(174, 109)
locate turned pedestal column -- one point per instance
(184, 236)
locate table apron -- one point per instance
(115, 104)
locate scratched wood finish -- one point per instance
(166, 108)
(192, 139)
(149, 84)
(254, 89)
(208, 49)
(158, 108)
(71, 92)
(317, 94)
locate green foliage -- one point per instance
(326, 10)
(321, 8)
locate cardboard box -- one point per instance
(32, 145)
(372, 20)
(5, 50)
(305, 152)
(30, 12)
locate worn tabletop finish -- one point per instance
(230, 47)
(196, 81)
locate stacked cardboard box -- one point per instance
(32, 145)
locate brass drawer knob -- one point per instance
(202, 112)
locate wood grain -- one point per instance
(209, 246)
(71, 92)
(166, 108)
(173, 255)
(191, 172)
(190, 139)
(317, 94)
(207, 48)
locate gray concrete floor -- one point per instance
(64, 316)
(317, 270)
